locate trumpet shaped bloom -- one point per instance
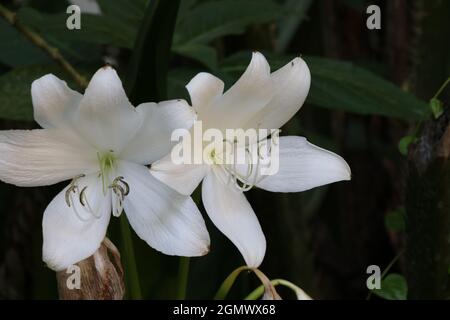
(103, 144)
(258, 100)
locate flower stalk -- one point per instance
(134, 286)
(228, 283)
(183, 276)
(259, 292)
(268, 289)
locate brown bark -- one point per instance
(428, 213)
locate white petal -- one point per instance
(52, 100)
(203, 89)
(166, 220)
(43, 157)
(244, 99)
(71, 236)
(304, 166)
(105, 117)
(291, 86)
(153, 140)
(183, 178)
(230, 211)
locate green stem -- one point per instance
(228, 283)
(183, 276)
(384, 273)
(130, 260)
(258, 292)
(442, 88)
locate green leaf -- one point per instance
(393, 287)
(177, 80)
(75, 44)
(111, 29)
(16, 50)
(404, 143)
(395, 220)
(294, 13)
(344, 86)
(200, 52)
(211, 20)
(124, 10)
(437, 107)
(147, 76)
(185, 8)
(207, 21)
(15, 90)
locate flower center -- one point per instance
(213, 156)
(74, 190)
(107, 162)
(246, 175)
(78, 192)
(241, 180)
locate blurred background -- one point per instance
(369, 90)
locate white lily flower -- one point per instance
(259, 99)
(101, 142)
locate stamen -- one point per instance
(67, 196)
(121, 189)
(82, 198)
(74, 208)
(127, 187)
(85, 203)
(118, 190)
(121, 180)
(72, 188)
(242, 181)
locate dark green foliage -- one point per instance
(147, 76)
(393, 287)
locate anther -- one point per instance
(83, 197)
(73, 187)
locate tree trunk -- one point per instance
(428, 212)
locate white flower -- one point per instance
(103, 143)
(259, 99)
